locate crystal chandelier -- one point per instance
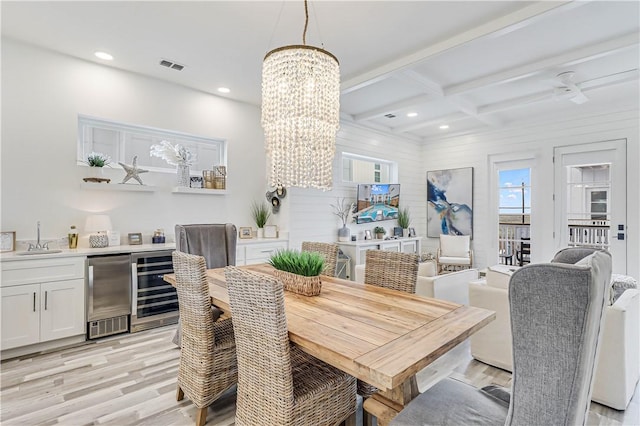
(300, 114)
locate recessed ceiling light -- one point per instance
(224, 90)
(444, 126)
(104, 55)
(412, 114)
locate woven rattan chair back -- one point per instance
(328, 251)
(397, 271)
(262, 345)
(207, 366)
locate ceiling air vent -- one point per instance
(172, 65)
(390, 115)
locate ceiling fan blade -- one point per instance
(579, 98)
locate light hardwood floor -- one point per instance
(131, 379)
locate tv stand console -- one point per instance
(357, 250)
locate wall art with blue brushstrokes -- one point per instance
(450, 202)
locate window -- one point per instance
(514, 209)
(122, 142)
(361, 169)
(515, 196)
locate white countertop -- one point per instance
(87, 251)
(376, 241)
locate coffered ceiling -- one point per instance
(470, 65)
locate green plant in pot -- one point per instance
(96, 161)
(379, 231)
(404, 220)
(260, 213)
(299, 272)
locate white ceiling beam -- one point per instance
(422, 81)
(389, 108)
(573, 57)
(608, 80)
(497, 27)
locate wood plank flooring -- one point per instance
(131, 379)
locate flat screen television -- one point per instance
(377, 202)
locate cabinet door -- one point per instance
(20, 315)
(61, 309)
(409, 246)
(260, 253)
(390, 246)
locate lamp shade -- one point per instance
(98, 223)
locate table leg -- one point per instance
(385, 405)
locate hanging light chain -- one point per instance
(306, 22)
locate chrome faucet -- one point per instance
(38, 246)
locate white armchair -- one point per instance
(454, 253)
(452, 287)
(618, 366)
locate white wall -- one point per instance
(537, 142)
(42, 95)
(311, 215)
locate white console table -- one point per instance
(357, 250)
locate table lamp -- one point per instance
(98, 225)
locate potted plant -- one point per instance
(379, 231)
(96, 162)
(298, 271)
(404, 220)
(343, 211)
(260, 213)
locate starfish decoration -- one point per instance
(133, 171)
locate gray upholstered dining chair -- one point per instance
(556, 321)
(208, 364)
(328, 251)
(216, 242)
(278, 383)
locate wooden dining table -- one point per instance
(381, 336)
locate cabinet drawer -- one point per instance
(263, 251)
(41, 270)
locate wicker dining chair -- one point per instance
(279, 384)
(388, 269)
(208, 364)
(328, 251)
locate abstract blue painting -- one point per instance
(450, 202)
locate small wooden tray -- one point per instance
(96, 180)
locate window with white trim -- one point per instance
(122, 142)
(361, 169)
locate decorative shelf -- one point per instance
(199, 191)
(117, 187)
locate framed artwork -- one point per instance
(135, 238)
(367, 235)
(450, 202)
(245, 232)
(270, 231)
(412, 232)
(7, 241)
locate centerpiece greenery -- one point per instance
(298, 271)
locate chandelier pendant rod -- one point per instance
(306, 23)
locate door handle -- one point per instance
(34, 301)
(45, 300)
(134, 289)
(90, 278)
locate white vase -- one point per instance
(183, 175)
(260, 233)
(95, 172)
(344, 234)
(405, 232)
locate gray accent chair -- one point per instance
(215, 242)
(556, 320)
